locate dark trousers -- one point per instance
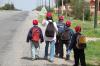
(79, 55)
(61, 47)
(57, 45)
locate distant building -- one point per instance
(92, 6)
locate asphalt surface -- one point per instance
(10, 21)
(14, 51)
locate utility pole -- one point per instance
(49, 5)
(95, 15)
(52, 2)
(45, 3)
(42, 3)
(62, 7)
(58, 7)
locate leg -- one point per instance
(76, 57)
(61, 50)
(57, 45)
(67, 51)
(52, 50)
(46, 49)
(82, 58)
(33, 50)
(37, 53)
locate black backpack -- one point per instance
(50, 30)
(66, 35)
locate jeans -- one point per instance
(52, 49)
(35, 51)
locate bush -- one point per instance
(8, 7)
(87, 12)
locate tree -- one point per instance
(8, 7)
(77, 6)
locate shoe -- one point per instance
(60, 56)
(33, 59)
(51, 61)
(67, 57)
(45, 57)
(56, 55)
(36, 57)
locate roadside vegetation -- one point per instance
(76, 17)
(93, 53)
(8, 7)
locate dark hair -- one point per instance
(49, 18)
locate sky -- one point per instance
(25, 4)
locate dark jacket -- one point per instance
(73, 41)
(60, 26)
(29, 36)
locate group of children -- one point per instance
(57, 34)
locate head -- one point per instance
(68, 23)
(35, 22)
(49, 16)
(78, 28)
(61, 18)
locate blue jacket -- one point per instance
(29, 36)
(60, 26)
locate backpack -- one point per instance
(65, 35)
(81, 41)
(35, 34)
(50, 30)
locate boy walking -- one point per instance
(66, 39)
(60, 26)
(78, 43)
(35, 36)
(50, 36)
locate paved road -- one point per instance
(10, 21)
(14, 51)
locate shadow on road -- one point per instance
(27, 58)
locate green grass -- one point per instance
(93, 53)
(87, 26)
(98, 17)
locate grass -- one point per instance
(93, 48)
(93, 53)
(87, 26)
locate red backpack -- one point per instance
(35, 34)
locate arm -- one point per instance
(29, 36)
(72, 42)
(56, 28)
(41, 36)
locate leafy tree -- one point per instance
(8, 7)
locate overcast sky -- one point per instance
(25, 4)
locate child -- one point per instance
(34, 36)
(66, 39)
(78, 49)
(60, 26)
(50, 36)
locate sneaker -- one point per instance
(33, 59)
(60, 56)
(67, 57)
(56, 55)
(45, 57)
(37, 57)
(51, 61)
